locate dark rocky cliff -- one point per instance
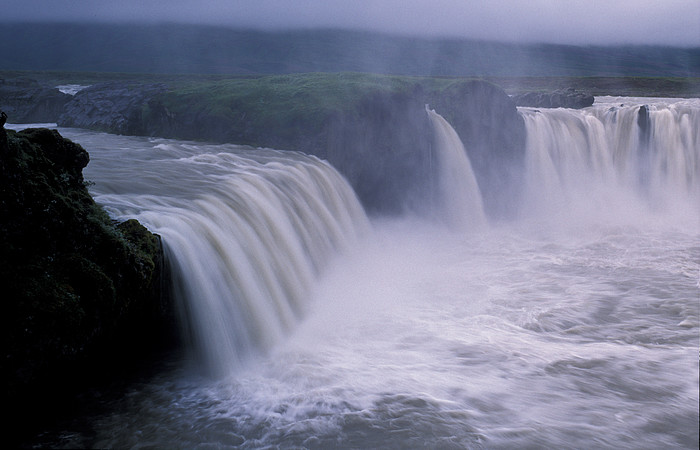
(82, 296)
(112, 107)
(373, 129)
(560, 98)
(384, 145)
(493, 133)
(28, 101)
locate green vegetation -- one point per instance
(81, 294)
(55, 78)
(274, 110)
(652, 86)
(681, 87)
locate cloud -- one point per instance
(668, 22)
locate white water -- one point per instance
(594, 163)
(577, 326)
(71, 89)
(459, 198)
(247, 232)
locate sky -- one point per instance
(596, 22)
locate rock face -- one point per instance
(563, 98)
(81, 295)
(382, 148)
(27, 101)
(113, 107)
(644, 123)
(493, 133)
(379, 139)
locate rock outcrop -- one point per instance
(27, 101)
(379, 137)
(644, 123)
(82, 296)
(382, 146)
(493, 133)
(562, 98)
(113, 107)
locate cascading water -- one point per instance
(246, 231)
(613, 158)
(580, 331)
(459, 197)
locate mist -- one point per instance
(596, 22)
(415, 334)
(361, 224)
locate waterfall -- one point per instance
(246, 231)
(613, 158)
(251, 250)
(421, 337)
(459, 197)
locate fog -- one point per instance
(597, 22)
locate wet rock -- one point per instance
(82, 295)
(644, 123)
(382, 147)
(562, 98)
(112, 107)
(493, 133)
(27, 101)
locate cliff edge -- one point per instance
(82, 295)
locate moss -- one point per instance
(80, 293)
(265, 111)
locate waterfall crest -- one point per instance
(459, 197)
(252, 249)
(611, 156)
(246, 231)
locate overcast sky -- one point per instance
(663, 22)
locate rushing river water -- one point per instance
(576, 326)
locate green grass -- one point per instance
(288, 106)
(325, 82)
(279, 101)
(615, 86)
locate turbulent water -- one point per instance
(575, 326)
(246, 231)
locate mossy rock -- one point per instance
(81, 293)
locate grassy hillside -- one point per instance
(200, 49)
(617, 86)
(285, 103)
(362, 123)
(189, 83)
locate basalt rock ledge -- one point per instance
(83, 296)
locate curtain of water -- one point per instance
(246, 231)
(459, 197)
(613, 159)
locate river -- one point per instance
(574, 326)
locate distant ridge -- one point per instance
(173, 48)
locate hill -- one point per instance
(216, 50)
